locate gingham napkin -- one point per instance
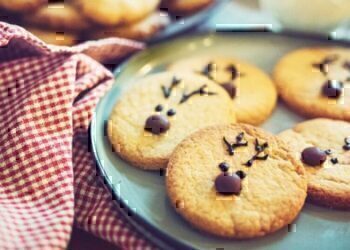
(48, 178)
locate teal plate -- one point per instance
(141, 194)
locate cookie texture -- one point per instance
(329, 182)
(155, 115)
(315, 82)
(114, 12)
(141, 30)
(59, 16)
(185, 7)
(252, 91)
(272, 192)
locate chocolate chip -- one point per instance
(241, 174)
(159, 108)
(334, 160)
(332, 89)
(228, 184)
(328, 152)
(157, 124)
(249, 163)
(230, 89)
(346, 147)
(347, 140)
(224, 166)
(171, 112)
(313, 156)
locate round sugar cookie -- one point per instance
(323, 147)
(159, 111)
(115, 12)
(251, 90)
(235, 181)
(142, 30)
(315, 82)
(60, 16)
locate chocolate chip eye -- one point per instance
(159, 108)
(241, 174)
(334, 160)
(224, 166)
(332, 89)
(328, 152)
(313, 156)
(171, 112)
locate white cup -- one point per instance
(309, 15)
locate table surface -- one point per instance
(238, 12)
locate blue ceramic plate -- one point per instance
(142, 194)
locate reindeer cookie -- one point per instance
(235, 181)
(315, 82)
(154, 116)
(251, 90)
(323, 146)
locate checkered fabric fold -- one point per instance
(48, 178)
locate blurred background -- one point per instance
(73, 21)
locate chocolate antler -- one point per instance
(259, 148)
(238, 143)
(234, 71)
(206, 71)
(322, 66)
(167, 91)
(201, 91)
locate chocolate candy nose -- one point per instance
(313, 156)
(230, 88)
(157, 124)
(228, 184)
(332, 89)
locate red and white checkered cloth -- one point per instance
(48, 179)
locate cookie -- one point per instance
(21, 5)
(114, 12)
(185, 7)
(60, 16)
(323, 147)
(54, 38)
(154, 116)
(141, 30)
(235, 181)
(251, 90)
(315, 82)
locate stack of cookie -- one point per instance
(68, 22)
(224, 176)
